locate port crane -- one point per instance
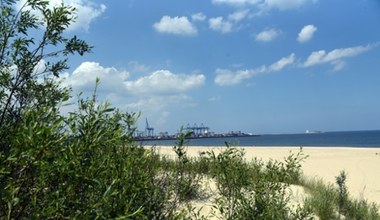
(198, 130)
(148, 130)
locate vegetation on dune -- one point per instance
(86, 165)
(333, 202)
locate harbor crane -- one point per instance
(148, 130)
(198, 130)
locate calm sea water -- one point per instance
(337, 139)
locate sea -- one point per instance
(365, 139)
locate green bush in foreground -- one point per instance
(82, 166)
(254, 190)
(330, 202)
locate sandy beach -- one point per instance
(361, 164)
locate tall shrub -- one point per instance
(33, 50)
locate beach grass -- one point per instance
(259, 189)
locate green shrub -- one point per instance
(187, 181)
(322, 200)
(361, 209)
(352, 208)
(254, 190)
(329, 202)
(82, 166)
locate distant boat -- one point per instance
(312, 132)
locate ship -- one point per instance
(312, 132)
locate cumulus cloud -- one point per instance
(229, 78)
(229, 23)
(266, 4)
(238, 15)
(268, 35)
(335, 57)
(86, 12)
(248, 9)
(159, 103)
(285, 4)
(84, 76)
(164, 81)
(282, 63)
(175, 25)
(161, 82)
(306, 34)
(219, 24)
(226, 77)
(198, 17)
(152, 94)
(236, 2)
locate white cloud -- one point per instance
(236, 2)
(229, 78)
(219, 24)
(282, 63)
(238, 15)
(306, 34)
(86, 11)
(335, 57)
(165, 82)
(338, 64)
(285, 4)
(83, 78)
(175, 25)
(159, 103)
(152, 94)
(161, 82)
(198, 17)
(266, 4)
(268, 35)
(224, 25)
(314, 58)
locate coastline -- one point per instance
(361, 164)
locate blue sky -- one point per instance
(260, 66)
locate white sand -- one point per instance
(361, 164)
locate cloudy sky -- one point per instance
(261, 66)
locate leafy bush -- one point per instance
(254, 190)
(322, 199)
(361, 209)
(352, 208)
(187, 180)
(83, 166)
(329, 202)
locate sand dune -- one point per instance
(361, 164)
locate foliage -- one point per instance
(186, 179)
(322, 200)
(33, 50)
(254, 190)
(82, 166)
(342, 191)
(351, 208)
(329, 202)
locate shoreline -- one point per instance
(361, 164)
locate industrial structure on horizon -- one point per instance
(196, 131)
